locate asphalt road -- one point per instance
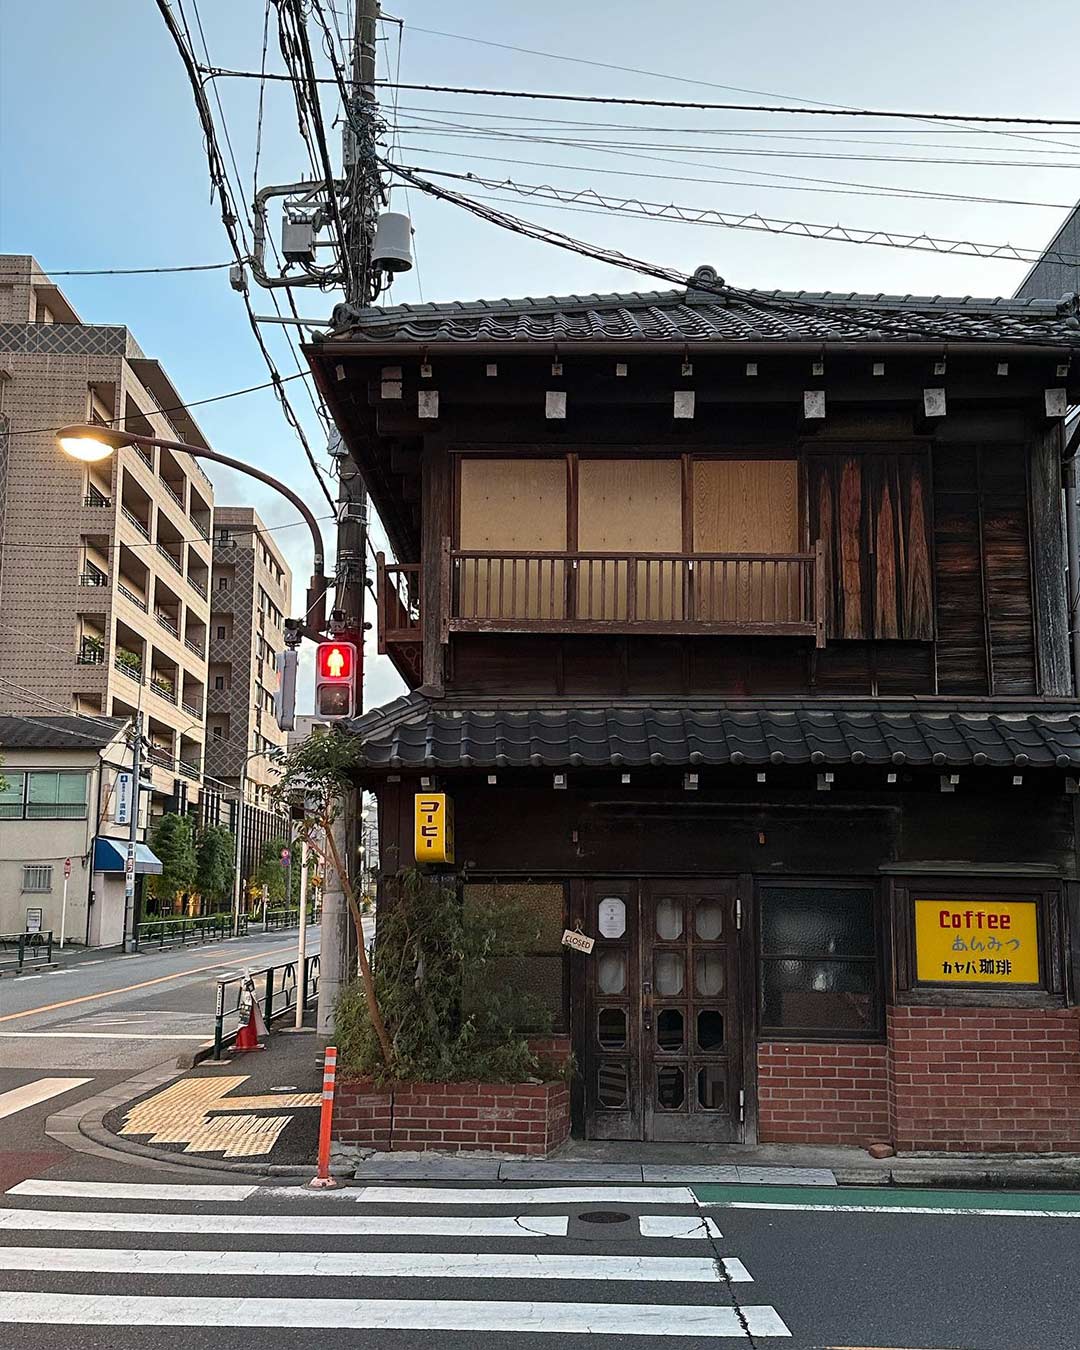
(102, 1017)
(406, 1269)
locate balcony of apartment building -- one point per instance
(165, 677)
(129, 653)
(200, 512)
(198, 574)
(133, 577)
(91, 650)
(137, 421)
(96, 499)
(189, 763)
(136, 508)
(93, 563)
(168, 608)
(192, 696)
(169, 542)
(174, 480)
(194, 634)
(161, 757)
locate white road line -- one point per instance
(511, 1195)
(32, 1094)
(99, 962)
(736, 1271)
(678, 1226)
(270, 1225)
(104, 1035)
(612, 1319)
(361, 1265)
(136, 1190)
(903, 1209)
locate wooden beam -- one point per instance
(1048, 563)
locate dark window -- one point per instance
(819, 963)
(221, 630)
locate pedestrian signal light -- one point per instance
(335, 680)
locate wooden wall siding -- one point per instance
(986, 630)
(871, 511)
(747, 506)
(630, 506)
(646, 666)
(1049, 563)
(512, 505)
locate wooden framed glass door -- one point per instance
(663, 1035)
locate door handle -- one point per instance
(646, 1005)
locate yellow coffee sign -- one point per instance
(434, 828)
(976, 941)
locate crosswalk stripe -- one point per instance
(262, 1225)
(33, 1094)
(510, 1195)
(360, 1265)
(135, 1190)
(613, 1319)
(678, 1226)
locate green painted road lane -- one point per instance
(892, 1200)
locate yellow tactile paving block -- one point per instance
(200, 1114)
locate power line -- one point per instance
(176, 407)
(793, 182)
(115, 271)
(223, 72)
(700, 215)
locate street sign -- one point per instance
(284, 857)
(122, 805)
(33, 920)
(67, 868)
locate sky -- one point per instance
(102, 165)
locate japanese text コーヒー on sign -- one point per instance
(976, 941)
(434, 828)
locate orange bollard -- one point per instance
(322, 1179)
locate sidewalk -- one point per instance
(258, 1113)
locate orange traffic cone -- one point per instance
(247, 1037)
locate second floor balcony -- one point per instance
(483, 591)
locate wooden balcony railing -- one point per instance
(398, 589)
(720, 593)
(575, 592)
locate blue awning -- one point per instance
(110, 855)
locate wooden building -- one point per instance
(736, 626)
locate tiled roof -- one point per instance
(719, 314)
(412, 733)
(58, 733)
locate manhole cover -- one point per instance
(604, 1216)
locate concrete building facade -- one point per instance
(251, 593)
(105, 568)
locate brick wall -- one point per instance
(528, 1118)
(818, 1093)
(993, 1079)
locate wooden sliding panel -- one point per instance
(630, 506)
(747, 506)
(510, 506)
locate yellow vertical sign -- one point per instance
(434, 828)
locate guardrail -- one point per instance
(178, 932)
(279, 994)
(32, 947)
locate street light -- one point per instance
(90, 443)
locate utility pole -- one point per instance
(361, 174)
(133, 835)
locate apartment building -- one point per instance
(251, 592)
(105, 568)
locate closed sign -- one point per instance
(577, 942)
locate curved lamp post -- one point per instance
(91, 443)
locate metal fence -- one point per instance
(27, 948)
(163, 933)
(277, 992)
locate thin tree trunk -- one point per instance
(374, 1011)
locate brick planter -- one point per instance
(527, 1118)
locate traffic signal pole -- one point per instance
(133, 836)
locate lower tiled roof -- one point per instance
(414, 733)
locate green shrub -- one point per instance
(437, 967)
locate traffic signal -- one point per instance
(335, 680)
(285, 694)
